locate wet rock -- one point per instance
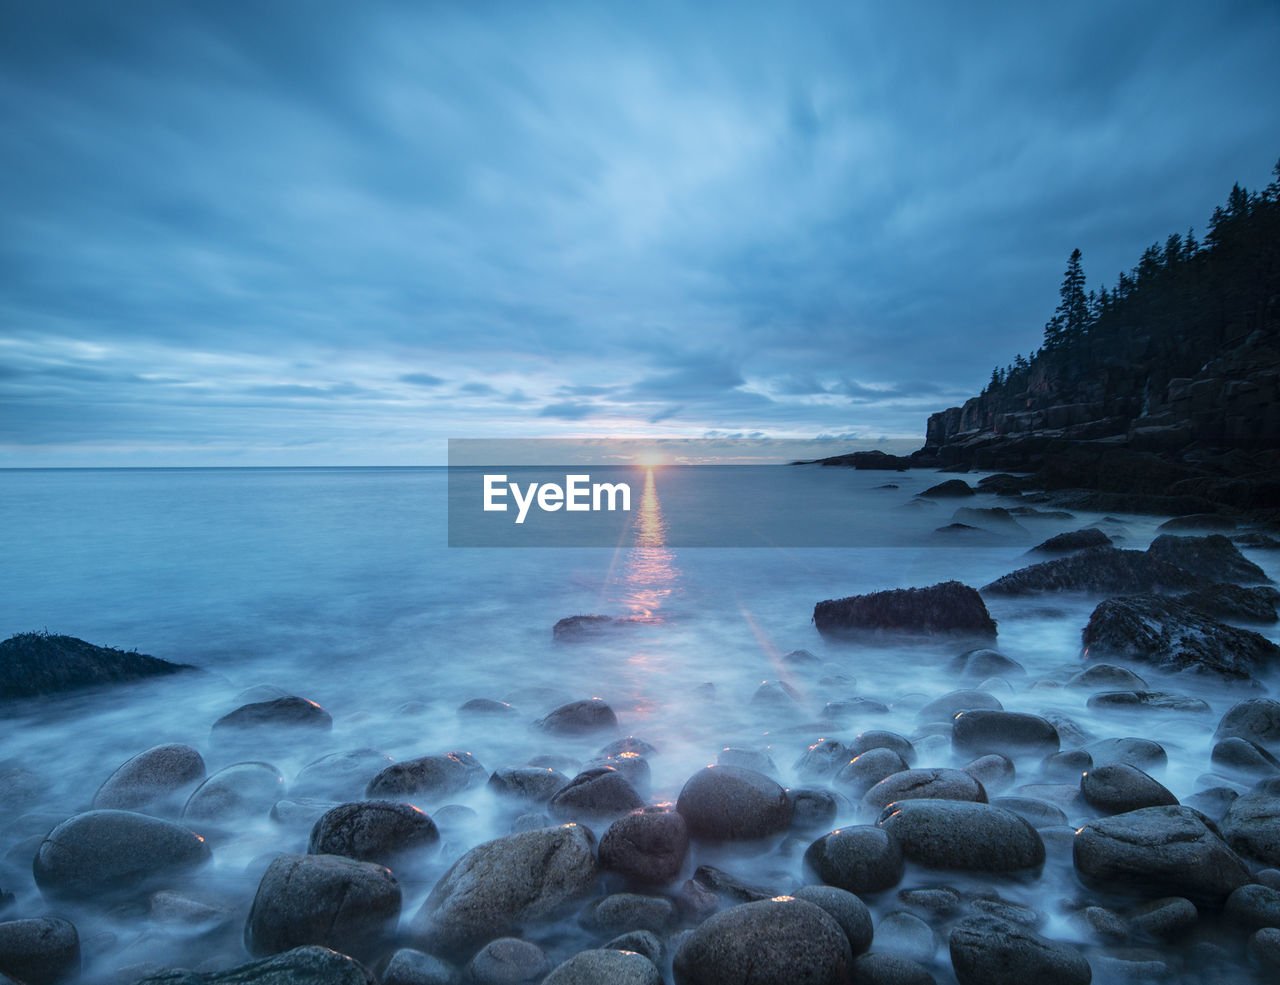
(339, 775)
(586, 717)
(944, 834)
(172, 908)
(574, 628)
(595, 795)
(621, 912)
(984, 663)
(726, 803)
(1242, 756)
(1264, 945)
(238, 791)
(504, 884)
(1158, 851)
(325, 900)
(1166, 919)
(150, 778)
(508, 961)
(410, 967)
(1173, 636)
(993, 952)
(1038, 813)
(822, 758)
(1010, 912)
(534, 784)
(772, 942)
(1066, 765)
(287, 712)
(647, 848)
(846, 909)
(1107, 677)
(949, 607)
(428, 777)
(859, 859)
(747, 759)
(814, 808)
(631, 765)
(880, 968)
(949, 489)
(727, 886)
(1072, 540)
(1118, 788)
(906, 934)
(993, 771)
(39, 951)
(777, 696)
(1212, 802)
(486, 707)
(104, 854)
(605, 965)
(312, 965)
(1146, 701)
(1142, 753)
(1103, 924)
(863, 772)
(1213, 558)
(853, 708)
(880, 739)
(380, 831)
(1225, 601)
(642, 942)
(918, 784)
(1096, 571)
(975, 733)
(1256, 719)
(935, 902)
(629, 745)
(301, 814)
(1252, 826)
(35, 664)
(945, 708)
(1254, 906)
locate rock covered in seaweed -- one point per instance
(948, 607)
(35, 664)
(1097, 571)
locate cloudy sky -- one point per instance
(341, 233)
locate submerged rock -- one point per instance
(949, 607)
(975, 837)
(981, 664)
(1213, 558)
(36, 664)
(949, 489)
(326, 900)
(1146, 701)
(1256, 719)
(616, 967)
(846, 909)
(378, 831)
(105, 854)
(1097, 571)
(499, 887)
(1224, 601)
(150, 778)
(1142, 753)
(310, 965)
(1252, 826)
(945, 708)
(430, 777)
(339, 775)
(238, 791)
(771, 942)
(1072, 540)
(579, 718)
(1158, 851)
(410, 967)
(1107, 677)
(883, 968)
(573, 628)
(987, 951)
(727, 803)
(536, 784)
(287, 712)
(40, 951)
(1174, 636)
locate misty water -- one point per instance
(336, 585)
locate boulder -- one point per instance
(822, 758)
(326, 900)
(150, 778)
(882, 739)
(945, 708)
(993, 771)
(1255, 719)
(883, 968)
(110, 854)
(594, 967)
(289, 712)
(621, 912)
(574, 628)
(1142, 753)
(647, 847)
(410, 967)
(500, 886)
(309, 965)
(1224, 601)
(1038, 813)
(948, 607)
(1158, 851)
(846, 909)
(1072, 540)
(1242, 756)
(535, 784)
(859, 859)
(485, 707)
(380, 831)
(974, 837)
(1119, 788)
(1166, 919)
(1252, 826)
(584, 717)
(984, 663)
(595, 795)
(1107, 677)
(1010, 733)
(1254, 906)
(986, 951)
(727, 803)
(428, 777)
(36, 664)
(1095, 571)
(950, 489)
(235, 792)
(770, 942)
(1212, 558)
(508, 961)
(723, 886)
(1173, 636)
(900, 932)
(937, 783)
(40, 950)
(339, 775)
(863, 772)
(1146, 701)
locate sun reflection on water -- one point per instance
(649, 574)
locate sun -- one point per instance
(652, 459)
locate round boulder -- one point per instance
(598, 794)
(647, 847)
(536, 784)
(727, 803)
(508, 961)
(1256, 719)
(945, 708)
(238, 791)
(1119, 787)
(771, 942)
(287, 712)
(410, 967)
(104, 854)
(925, 784)
(984, 663)
(429, 777)
(605, 965)
(1252, 826)
(1011, 733)
(860, 859)
(584, 717)
(325, 900)
(975, 837)
(883, 739)
(994, 952)
(339, 775)
(846, 909)
(380, 831)
(863, 772)
(39, 951)
(150, 778)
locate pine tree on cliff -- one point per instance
(1071, 319)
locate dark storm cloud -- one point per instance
(816, 218)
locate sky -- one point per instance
(313, 233)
